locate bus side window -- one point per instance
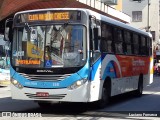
(127, 43)
(143, 46)
(118, 41)
(149, 46)
(136, 44)
(107, 39)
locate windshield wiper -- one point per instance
(60, 28)
(63, 26)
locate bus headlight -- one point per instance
(16, 83)
(77, 84)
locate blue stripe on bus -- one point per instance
(108, 71)
(83, 73)
(95, 68)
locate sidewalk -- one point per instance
(6, 90)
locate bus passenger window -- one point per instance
(118, 41)
(149, 46)
(136, 44)
(143, 46)
(127, 43)
(106, 41)
(118, 48)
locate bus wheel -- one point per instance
(105, 97)
(139, 91)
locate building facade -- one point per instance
(144, 15)
(9, 7)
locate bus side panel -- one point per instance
(124, 72)
(96, 82)
(134, 66)
(100, 70)
(149, 77)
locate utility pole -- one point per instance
(148, 27)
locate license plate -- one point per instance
(42, 94)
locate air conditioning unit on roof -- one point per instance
(110, 2)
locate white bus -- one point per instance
(76, 55)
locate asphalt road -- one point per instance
(124, 106)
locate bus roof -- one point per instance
(118, 23)
(98, 16)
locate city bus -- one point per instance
(76, 55)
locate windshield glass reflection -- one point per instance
(50, 46)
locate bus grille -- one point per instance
(45, 77)
(55, 96)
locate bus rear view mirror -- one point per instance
(6, 34)
(95, 30)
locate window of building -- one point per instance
(153, 35)
(137, 16)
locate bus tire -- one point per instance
(104, 101)
(139, 91)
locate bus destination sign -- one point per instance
(48, 16)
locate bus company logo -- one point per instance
(17, 115)
(138, 63)
(47, 71)
(6, 114)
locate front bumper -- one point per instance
(80, 94)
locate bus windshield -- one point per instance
(49, 46)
